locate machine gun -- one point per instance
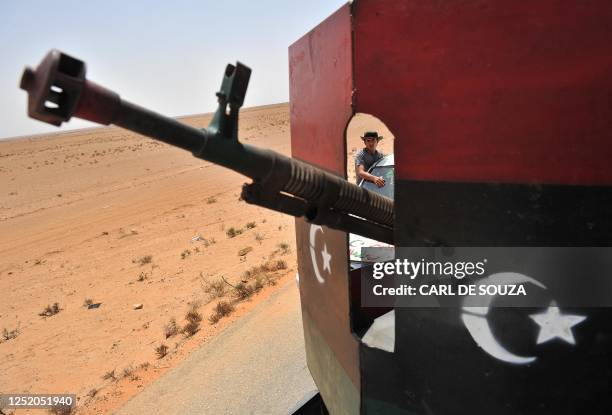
(58, 90)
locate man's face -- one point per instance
(370, 143)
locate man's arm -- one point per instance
(378, 181)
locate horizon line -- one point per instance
(52, 133)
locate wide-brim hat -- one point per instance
(371, 134)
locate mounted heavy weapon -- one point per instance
(58, 90)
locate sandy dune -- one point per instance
(78, 209)
(81, 212)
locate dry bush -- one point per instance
(208, 242)
(251, 225)
(252, 272)
(110, 375)
(222, 309)
(243, 291)
(92, 392)
(55, 308)
(143, 260)
(128, 371)
(61, 410)
(276, 265)
(171, 329)
(50, 310)
(87, 302)
(185, 253)
(269, 266)
(259, 237)
(232, 232)
(191, 328)
(215, 288)
(258, 284)
(9, 335)
(211, 200)
(142, 277)
(284, 247)
(161, 351)
(193, 315)
(245, 251)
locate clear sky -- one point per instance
(168, 56)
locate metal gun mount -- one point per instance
(58, 90)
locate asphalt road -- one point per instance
(256, 366)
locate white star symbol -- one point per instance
(326, 259)
(554, 324)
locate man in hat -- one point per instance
(366, 157)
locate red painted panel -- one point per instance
(320, 68)
(320, 91)
(482, 90)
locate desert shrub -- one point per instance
(211, 200)
(222, 309)
(245, 251)
(92, 392)
(191, 328)
(243, 291)
(110, 375)
(193, 315)
(143, 260)
(232, 232)
(49, 310)
(258, 284)
(284, 247)
(171, 329)
(61, 410)
(9, 334)
(276, 265)
(259, 237)
(251, 273)
(128, 371)
(215, 288)
(208, 242)
(269, 266)
(185, 253)
(161, 351)
(251, 225)
(87, 302)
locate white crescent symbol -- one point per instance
(315, 266)
(477, 324)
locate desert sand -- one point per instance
(104, 216)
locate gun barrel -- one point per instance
(279, 182)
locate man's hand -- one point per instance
(379, 181)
